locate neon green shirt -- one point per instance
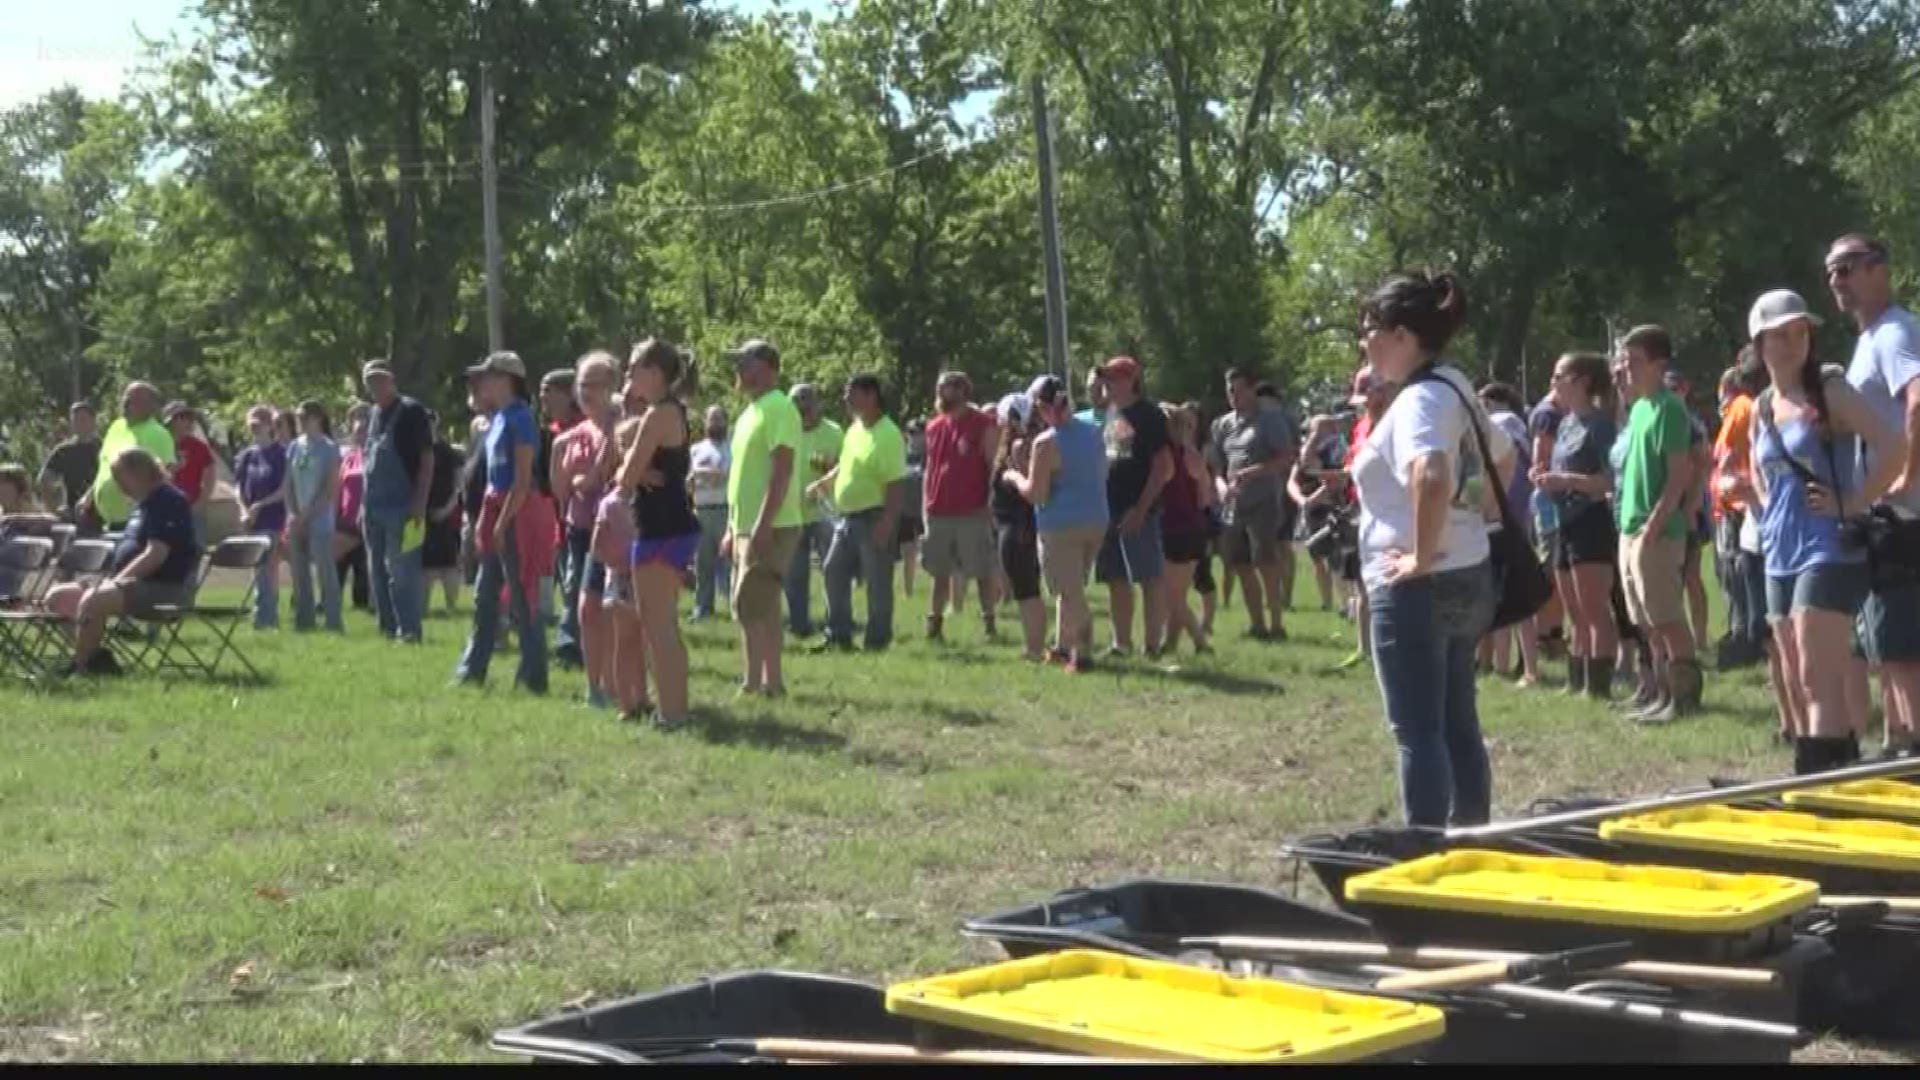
(1656, 427)
(819, 450)
(870, 459)
(769, 423)
(150, 435)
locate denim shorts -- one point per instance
(1890, 625)
(1837, 587)
(594, 581)
(1131, 557)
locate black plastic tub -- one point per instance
(1868, 985)
(668, 1026)
(1149, 918)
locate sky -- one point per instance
(95, 44)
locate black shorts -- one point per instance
(910, 531)
(1589, 537)
(1184, 547)
(1203, 582)
(1621, 620)
(1020, 558)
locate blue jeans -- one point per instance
(1424, 635)
(573, 571)
(710, 571)
(853, 551)
(497, 570)
(814, 536)
(310, 552)
(266, 588)
(398, 587)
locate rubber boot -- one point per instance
(1577, 674)
(1687, 684)
(1600, 679)
(1818, 755)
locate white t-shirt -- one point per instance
(1425, 418)
(707, 454)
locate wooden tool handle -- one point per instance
(1480, 974)
(1894, 903)
(1676, 974)
(821, 1050)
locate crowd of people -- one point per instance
(602, 488)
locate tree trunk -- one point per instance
(1516, 318)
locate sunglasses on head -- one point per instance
(1847, 264)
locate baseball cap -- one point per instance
(1362, 385)
(1121, 367)
(755, 349)
(560, 378)
(500, 363)
(374, 369)
(1045, 389)
(175, 410)
(1014, 409)
(1776, 309)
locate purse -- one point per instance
(1521, 585)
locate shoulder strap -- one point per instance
(1432, 373)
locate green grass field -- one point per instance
(403, 867)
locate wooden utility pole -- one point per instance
(1056, 275)
(490, 212)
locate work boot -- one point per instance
(1600, 679)
(1577, 667)
(1687, 685)
(1817, 755)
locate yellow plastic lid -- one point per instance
(1118, 1006)
(1587, 891)
(1775, 834)
(1870, 798)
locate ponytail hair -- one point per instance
(1431, 308)
(1596, 372)
(673, 365)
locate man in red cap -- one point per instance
(961, 441)
(1139, 464)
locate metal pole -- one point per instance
(1879, 770)
(490, 212)
(1056, 275)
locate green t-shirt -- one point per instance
(109, 501)
(1657, 427)
(870, 459)
(819, 449)
(768, 424)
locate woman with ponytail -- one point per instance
(1425, 494)
(1805, 428)
(666, 534)
(1578, 479)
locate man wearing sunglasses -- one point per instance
(1886, 371)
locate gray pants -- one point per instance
(853, 551)
(710, 571)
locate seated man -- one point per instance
(153, 567)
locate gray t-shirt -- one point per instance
(313, 460)
(1238, 442)
(1581, 446)
(1885, 360)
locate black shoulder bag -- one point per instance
(1521, 586)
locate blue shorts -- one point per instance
(593, 581)
(1890, 625)
(675, 551)
(1134, 558)
(1837, 587)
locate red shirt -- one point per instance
(190, 474)
(957, 463)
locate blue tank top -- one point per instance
(1792, 537)
(1077, 497)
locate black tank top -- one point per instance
(664, 512)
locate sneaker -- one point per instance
(1354, 660)
(597, 698)
(934, 629)
(103, 662)
(663, 722)
(1079, 665)
(1259, 633)
(1663, 712)
(831, 644)
(1116, 652)
(1059, 656)
(993, 630)
(1277, 634)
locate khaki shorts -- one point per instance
(1650, 576)
(757, 579)
(961, 544)
(1067, 557)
